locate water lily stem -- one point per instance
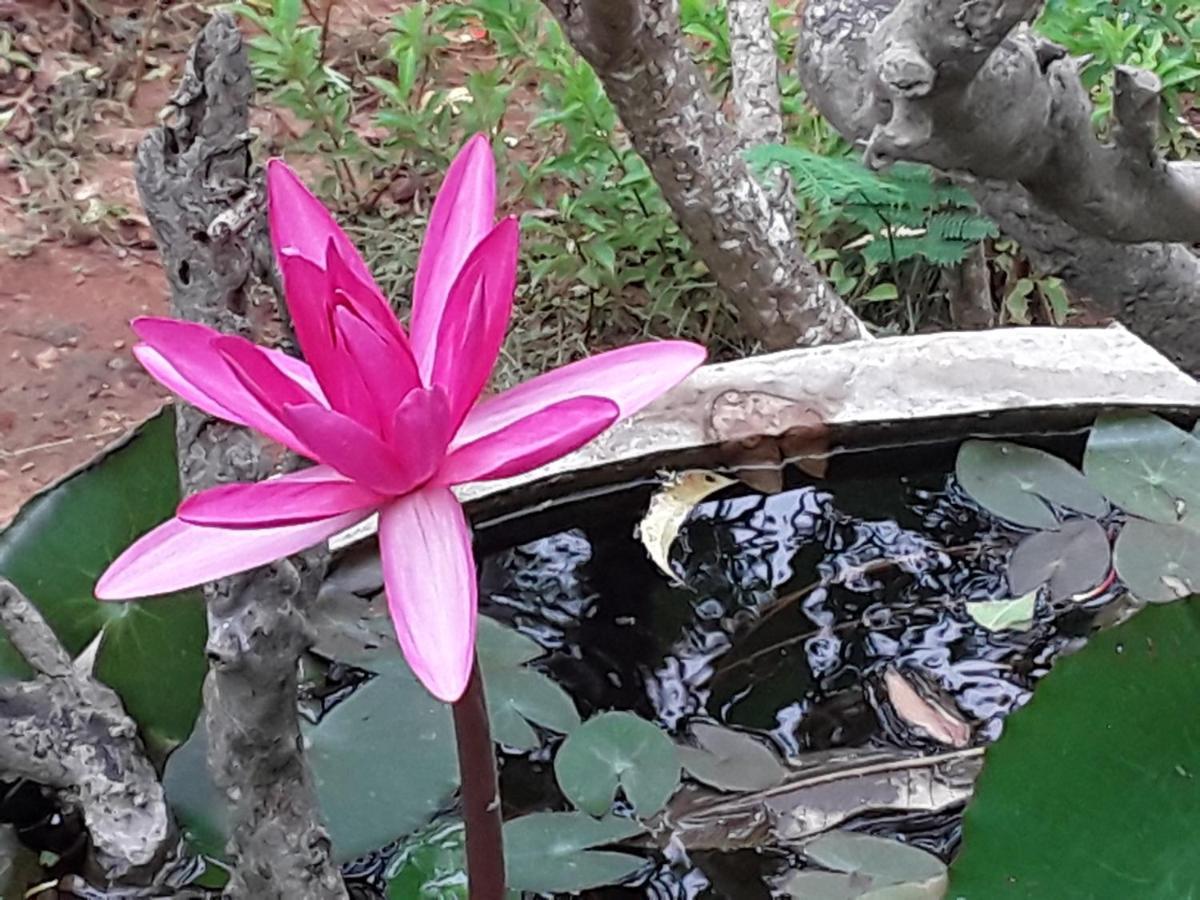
(480, 793)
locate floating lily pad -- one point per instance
(730, 760)
(195, 801)
(617, 749)
(1070, 560)
(1093, 790)
(866, 866)
(1156, 562)
(1146, 466)
(516, 695)
(384, 761)
(1000, 615)
(151, 652)
(1017, 483)
(553, 851)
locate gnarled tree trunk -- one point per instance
(747, 242)
(968, 88)
(204, 202)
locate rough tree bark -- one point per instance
(748, 244)
(969, 88)
(754, 71)
(67, 731)
(204, 202)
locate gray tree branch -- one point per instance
(69, 732)
(195, 178)
(968, 88)
(748, 244)
(754, 69)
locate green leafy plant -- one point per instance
(904, 216)
(1163, 37)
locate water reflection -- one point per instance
(789, 609)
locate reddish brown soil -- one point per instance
(69, 384)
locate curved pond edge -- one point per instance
(921, 382)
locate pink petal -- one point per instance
(347, 446)
(530, 442)
(420, 429)
(306, 292)
(476, 318)
(429, 573)
(386, 368)
(631, 377)
(462, 214)
(364, 299)
(183, 356)
(299, 371)
(300, 224)
(305, 496)
(259, 375)
(176, 555)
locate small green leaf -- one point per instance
(617, 749)
(1157, 562)
(885, 291)
(1146, 466)
(1016, 301)
(1015, 483)
(998, 615)
(1092, 789)
(552, 852)
(430, 865)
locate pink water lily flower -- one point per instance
(393, 420)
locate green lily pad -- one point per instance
(617, 750)
(1094, 788)
(384, 762)
(1156, 562)
(151, 652)
(198, 806)
(999, 615)
(430, 865)
(1016, 483)
(553, 851)
(730, 760)
(517, 696)
(865, 866)
(1146, 466)
(1070, 560)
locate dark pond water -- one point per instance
(792, 606)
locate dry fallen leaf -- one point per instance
(669, 509)
(921, 712)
